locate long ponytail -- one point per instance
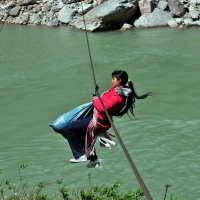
(130, 103)
(121, 74)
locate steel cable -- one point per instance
(141, 182)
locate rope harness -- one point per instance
(142, 184)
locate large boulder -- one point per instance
(14, 12)
(109, 14)
(66, 14)
(85, 8)
(176, 8)
(157, 18)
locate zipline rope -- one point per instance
(142, 184)
(90, 56)
(4, 21)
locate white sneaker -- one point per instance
(80, 159)
(104, 142)
(93, 164)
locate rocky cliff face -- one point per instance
(101, 14)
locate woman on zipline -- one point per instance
(82, 134)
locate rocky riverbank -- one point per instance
(102, 14)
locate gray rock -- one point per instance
(172, 23)
(55, 9)
(99, 2)
(193, 12)
(9, 20)
(85, 8)
(18, 20)
(30, 7)
(43, 20)
(37, 8)
(3, 14)
(9, 4)
(157, 18)
(14, 12)
(22, 20)
(126, 26)
(179, 20)
(188, 21)
(60, 5)
(193, 2)
(45, 1)
(110, 14)
(186, 6)
(162, 5)
(146, 6)
(176, 8)
(66, 14)
(198, 22)
(49, 15)
(47, 7)
(35, 18)
(27, 2)
(88, 1)
(53, 23)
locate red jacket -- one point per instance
(112, 101)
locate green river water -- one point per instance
(45, 72)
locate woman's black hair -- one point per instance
(120, 74)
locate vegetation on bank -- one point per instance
(9, 191)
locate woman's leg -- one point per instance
(75, 133)
(94, 156)
(94, 161)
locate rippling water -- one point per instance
(45, 71)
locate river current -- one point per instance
(44, 72)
